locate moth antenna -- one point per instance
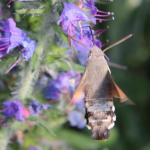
(13, 65)
(118, 42)
(118, 66)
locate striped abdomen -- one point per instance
(100, 117)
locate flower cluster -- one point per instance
(15, 109)
(36, 107)
(76, 117)
(12, 37)
(64, 84)
(76, 20)
(33, 148)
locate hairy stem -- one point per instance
(4, 139)
(30, 74)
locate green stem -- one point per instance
(4, 139)
(25, 88)
(30, 74)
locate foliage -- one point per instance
(50, 128)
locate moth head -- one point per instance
(96, 52)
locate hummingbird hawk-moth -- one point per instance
(99, 89)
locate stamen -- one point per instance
(100, 15)
(105, 12)
(103, 19)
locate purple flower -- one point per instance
(36, 107)
(70, 18)
(75, 21)
(73, 16)
(80, 106)
(51, 91)
(90, 9)
(83, 43)
(28, 47)
(77, 119)
(65, 83)
(32, 148)
(96, 14)
(12, 37)
(15, 109)
(90, 4)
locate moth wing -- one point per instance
(118, 93)
(79, 92)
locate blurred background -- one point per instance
(132, 127)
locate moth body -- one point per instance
(100, 117)
(99, 89)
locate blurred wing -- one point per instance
(118, 93)
(79, 92)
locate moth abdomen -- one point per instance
(100, 117)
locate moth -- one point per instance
(99, 89)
